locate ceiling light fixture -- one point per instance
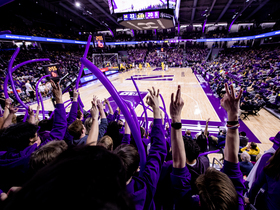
(78, 4)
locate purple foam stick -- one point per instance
(51, 115)
(5, 32)
(81, 71)
(9, 72)
(42, 103)
(67, 105)
(119, 101)
(12, 81)
(166, 115)
(39, 94)
(209, 152)
(142, 122)
(16, 67)
(133, 114)
(146, 116)
(30, 61)
(64, 107)
(25, 116)
(66, 101)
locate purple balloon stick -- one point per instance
(39, 94)
(16, 67)
(11, 78)
(119, 101)
(142, 103)
(5, 32)
(10, 71)
(81, 71)
(25, 116)
(133, 114)
(166, 115)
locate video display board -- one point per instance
(99, 41)
(53, 71)
(123, 6)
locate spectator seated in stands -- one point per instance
(221, 138)
(201, 140)
(245, 165)
(252, 149)
(243, 139)
(269, 181)
(188, 134)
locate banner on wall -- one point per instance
(68, 41)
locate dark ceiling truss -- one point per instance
(103, 11)
(193, 10)
(77, 14)
(224, 11)
(257, 9)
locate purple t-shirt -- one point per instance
(14, 164)
(143, 188)
(181, 178)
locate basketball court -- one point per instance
(200, 103)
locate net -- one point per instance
(105, 60)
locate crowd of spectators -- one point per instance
(96, 153)
(136, 55)
(39, 158)
(255, 70)
(26, 77)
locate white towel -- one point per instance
(252, 175)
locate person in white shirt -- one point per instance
(29, 90)
(42, 89)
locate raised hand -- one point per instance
(176, 106)
(153, 99)
(57, 92)
(8, 102)
(99, 104)
(230, 102)
(30, 111)
(75, 94)
(94, 109)
(13, 109)
(106, 101)
(207, 121)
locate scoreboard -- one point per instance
(141, 16)
(99, 41)
(53, 71)
(148, 20)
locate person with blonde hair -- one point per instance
(107, 142)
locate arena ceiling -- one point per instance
(96, 14)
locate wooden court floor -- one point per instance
(197, 105)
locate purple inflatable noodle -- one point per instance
(10, 71)
(39, 94)
(142, 103)
(133, 114)
(119, 101)
(81, 70)
(18, 66)
(5, 32)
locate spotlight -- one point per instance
(78, 4)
